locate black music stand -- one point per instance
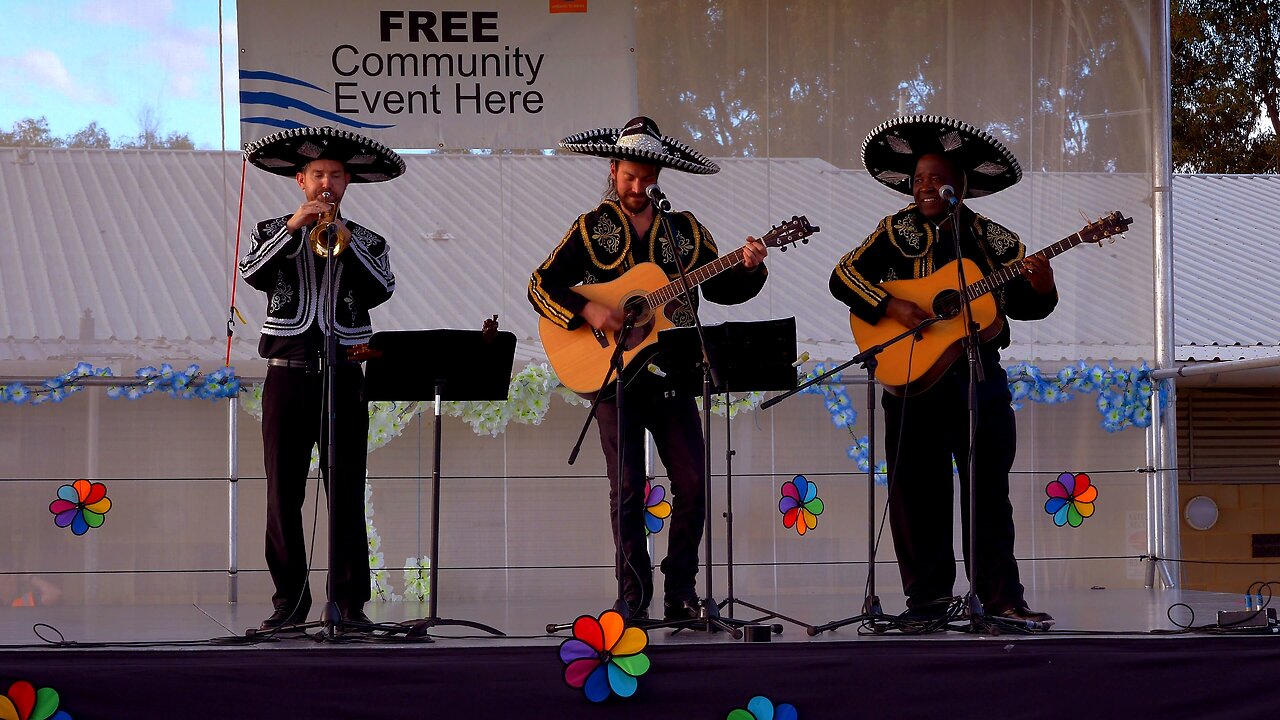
(751, 356)
(439, 365)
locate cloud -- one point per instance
(45, 69)
(142, 14)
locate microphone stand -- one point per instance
(332, 622)
(613, 372)
(709, 617)
(978, 620)
(871, 610)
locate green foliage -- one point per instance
(34, 132)
(1225, 90)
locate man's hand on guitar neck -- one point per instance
(602, 317)
(906, 313)
(1039, 273)
(753, 253)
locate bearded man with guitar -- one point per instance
(601, 250)
(940, 161)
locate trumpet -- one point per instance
(328, 224)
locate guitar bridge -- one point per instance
(600, 337)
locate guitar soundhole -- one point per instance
(947, 303)
(636, 307)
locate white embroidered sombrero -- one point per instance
(891, 150)
(288, 152)
(641, 141)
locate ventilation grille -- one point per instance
(1229, 435)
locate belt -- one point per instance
(308, 365)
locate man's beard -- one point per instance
(634, 204)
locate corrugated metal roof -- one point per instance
(143, 241)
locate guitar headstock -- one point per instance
(1108, 226)
(797, 229)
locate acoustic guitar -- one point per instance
(912, 365)
(581, 356)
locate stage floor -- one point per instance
(1102, 612)
(1113, 653)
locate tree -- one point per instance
(1225, 91)
(34, 132)
(31, 132)
(92, 136)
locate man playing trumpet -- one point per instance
(288, 261)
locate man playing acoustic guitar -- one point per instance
(939, 162)
(601, 246)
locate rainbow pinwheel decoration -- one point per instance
(1070, 499)
(24, 702)
(81, 505)
(604, 656)
(656, 508)
(761, 708)
(800, 505)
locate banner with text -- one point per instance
(514, 74)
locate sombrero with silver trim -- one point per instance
(641, 141)
(288, 152)
(891, 150)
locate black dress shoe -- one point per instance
(687, 609)
(625, 609)
(1026, 614)
(281, 618)
(355, 614)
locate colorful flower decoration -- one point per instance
(761, 708)
(24, 702)
(800, 505)
(656, 508)
(1070, 499)
(81, 505)
(604, 656)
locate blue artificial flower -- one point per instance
(18, 393)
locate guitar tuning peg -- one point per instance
(784, 248)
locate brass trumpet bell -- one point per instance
(328, 225)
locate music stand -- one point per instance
(439, 365)
(751, 356)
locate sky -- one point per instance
(116, 61)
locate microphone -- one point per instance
(948, 194)
(660, 201)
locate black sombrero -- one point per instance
(289, 151)
(891, 150)
(640, 141)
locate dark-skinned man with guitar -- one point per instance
(616, 249)
(890, 282)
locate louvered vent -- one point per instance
(1229, 435)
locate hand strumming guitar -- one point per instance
(906, 313)
(603, 317)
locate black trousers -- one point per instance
(923, 433)
(677, 436)
(293, 420)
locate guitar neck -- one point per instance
(1005, 274)
(673, 289)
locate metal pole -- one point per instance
(233, 507)
(1163, 504)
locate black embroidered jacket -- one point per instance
(282, 265)
(601, 246)
(907, 245)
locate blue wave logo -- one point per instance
(292, 107)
